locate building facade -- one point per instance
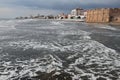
(103, 15)
(62, 16)
(77, 11)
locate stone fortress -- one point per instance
(103, 15)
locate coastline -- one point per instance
(111, 23)
(80, 20)
(73, 20)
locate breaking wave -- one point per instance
(10, 24)
(107, 27)
(57, 23)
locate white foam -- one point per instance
(35, 45)
(109, 27)
(106, 27)
(10, 24)
(26, 20)
(57, 23)
(29, 67)
(97, 53)
(117, 63)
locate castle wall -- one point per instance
(103, 15)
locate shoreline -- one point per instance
(111, 23)
(72, 20)
(81, 20)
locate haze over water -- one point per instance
(42, 49)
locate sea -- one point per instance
(34, 49)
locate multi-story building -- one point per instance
(77, 11)
(103, 15)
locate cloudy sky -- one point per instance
(13, 8)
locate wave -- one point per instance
(106, 27)
(7, 24)
(57, 23)
(53, 25)
(109, 28)
(10, 24)
(26, 20)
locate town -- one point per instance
(99, 15)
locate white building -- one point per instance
(77, 11)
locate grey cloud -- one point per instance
(63, 4)
(55, 5)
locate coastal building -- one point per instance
(50, 17)
(70, 16)
(63, 16)
(103, 15)
(77, 13)
(85, 13)
(39, 17)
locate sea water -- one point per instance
(34, 49)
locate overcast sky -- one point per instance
(13, 8)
